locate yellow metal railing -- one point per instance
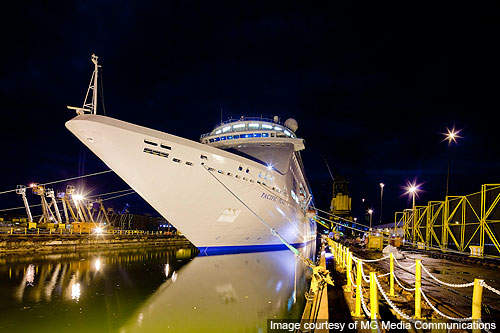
(340, 252)
(457, 223)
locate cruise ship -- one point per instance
(242, 187)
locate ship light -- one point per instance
(267, 126)
(218, 132)
(269, 167)
(287, 133)
(239, 126)
(98, 230)
(253, 125)
(225, 129)
(276, 128)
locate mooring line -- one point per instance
(308, 262)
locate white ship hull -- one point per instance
(211, 208)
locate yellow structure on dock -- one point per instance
(458, 223)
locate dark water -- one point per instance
(150, 290)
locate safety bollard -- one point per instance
(357, 310)
(344, 254)
(38, 231)
(391, 275)
(348, 271)
(337, 253)
(25, 231)
(11, 231)
(477, 296)
(418, 285)
(373, 297)
(60, 231)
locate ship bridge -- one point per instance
(248, 130)
(265, 141)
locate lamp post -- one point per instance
(451, 136)
(370, 212)
(381, 197)
(412, 190)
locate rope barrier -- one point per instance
(440, 313)
(367, 279)
(397, 281)
(373, 260)
(476, 299)
(461, 285)
(352, 282)
(490, 288)
(404, 267)
(363, 304)
(391, 304)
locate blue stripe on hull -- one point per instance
(219, 250)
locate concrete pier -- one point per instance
(71, 243)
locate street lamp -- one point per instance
(451, 136)
(381, 196)
(370, 211)
(412, 189)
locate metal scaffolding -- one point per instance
(457, 223)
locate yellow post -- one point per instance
(38, 231)
(344, 255)
(50, 231)
(348, 271)
(373, 297)
(11, 231)
(337, 251)
(60, 231)
(418, 284)
(357, 310)
(477, 296)
(25, 231)
(391, 276)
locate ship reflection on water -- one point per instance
(151, 290)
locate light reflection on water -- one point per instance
(148, 290)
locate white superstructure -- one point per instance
(242, 179)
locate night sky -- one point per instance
(372, 85)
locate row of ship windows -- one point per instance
(162, 154)
(155, 144)
(239, 136)
(242, 177)
(252, 126)
(203, 157)
(244, 136)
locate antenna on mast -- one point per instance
(90, 102)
